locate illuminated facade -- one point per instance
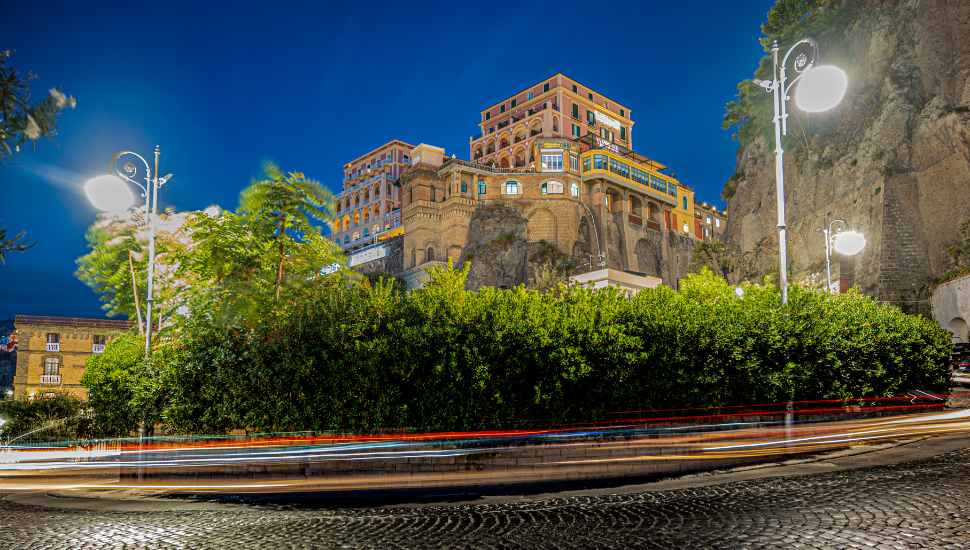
(52, 352)
(709, 222)
(556, 107)
(368, 205)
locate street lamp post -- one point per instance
(821, 89)
(110, 194)
(844, 242)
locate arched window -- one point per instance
(686, 229)
(545, 188)
(685, 203)
(609, 201)
(464, 187)
(336, 225)
(377, 227)
(432, 193)
(356, 218)
(414, 257)
(574, 190)
(356, 235)
(430, 254)
(346, 239)
(366, 232)
(388, 191)
(511, 188)
(481, 188)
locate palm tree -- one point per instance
(281, 205)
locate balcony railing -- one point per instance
(503, 124)
(653, 225)
(53, 346)
(477, 136)
(97, 348)
(50, 379)
(533, 133)
(635, 219)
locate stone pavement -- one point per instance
(922, 503)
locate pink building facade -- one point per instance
(368, 207)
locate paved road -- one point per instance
(918, 504)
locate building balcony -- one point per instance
(504, 123)
(50, 379)
(53, 346)
(636, 220)
(477, 136)
(97, 348)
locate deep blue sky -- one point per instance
(314, 85)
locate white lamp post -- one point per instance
(110, 194)
(821, 89)
(847, 243)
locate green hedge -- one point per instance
(443, 358)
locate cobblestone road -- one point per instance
(923, 504)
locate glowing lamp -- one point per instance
(821, 88)
(849, 243)
(109, 194)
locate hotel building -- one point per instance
(557, 106)
(368, 205)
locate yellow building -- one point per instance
(52, 352)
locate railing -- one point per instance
(493, 169)
(97, 348)
(533, 133)
(653, 225)
(517, 139)
(489, 151)
(503, 124)
(634, 219)
(53, 346)
(50, 379)
(477, 136)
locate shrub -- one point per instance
(443, 358)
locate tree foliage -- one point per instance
(366, 357)
(281, 206)
(17, 243)
(114, 378)
(58, 417)
(23, 118)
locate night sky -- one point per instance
(313, 85)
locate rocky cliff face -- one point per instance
(899, 171)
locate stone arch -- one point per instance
(958, 326)
(519, 155)
(636, 206)
(654, 212)
(504, 160)
(479, 151)
(535, 127)
(648, 258)
(490, 146)
(520, 133)
(504, 140)
(490, 162)
(542, 226)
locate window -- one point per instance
(591, 96)
(545, 87)
(551, 161)
(51, 365)
(606, 104)
(366, 232)
(621, 169)
(53, 338)
(622, 113)
(356, 235)
(430, 254)
(708, 219)
(488, 115)
(576, 111)
(574, 190)
(552, 188)
(586, 164)
(599, 162)
(432, 194)
(464, 187)
(609, 201)
(590, 117)
(99, 340)
(573, 162)
(502, 108)
(545, 106)
(717, 222)
(513, 104)
(530, 95)
(575, 91)
(377, 227)
(671, 189)
(623, 133)
(686, 230)
(576, 130)
(511, 188)
(481, 188)
(346, 239)
(685, 203)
